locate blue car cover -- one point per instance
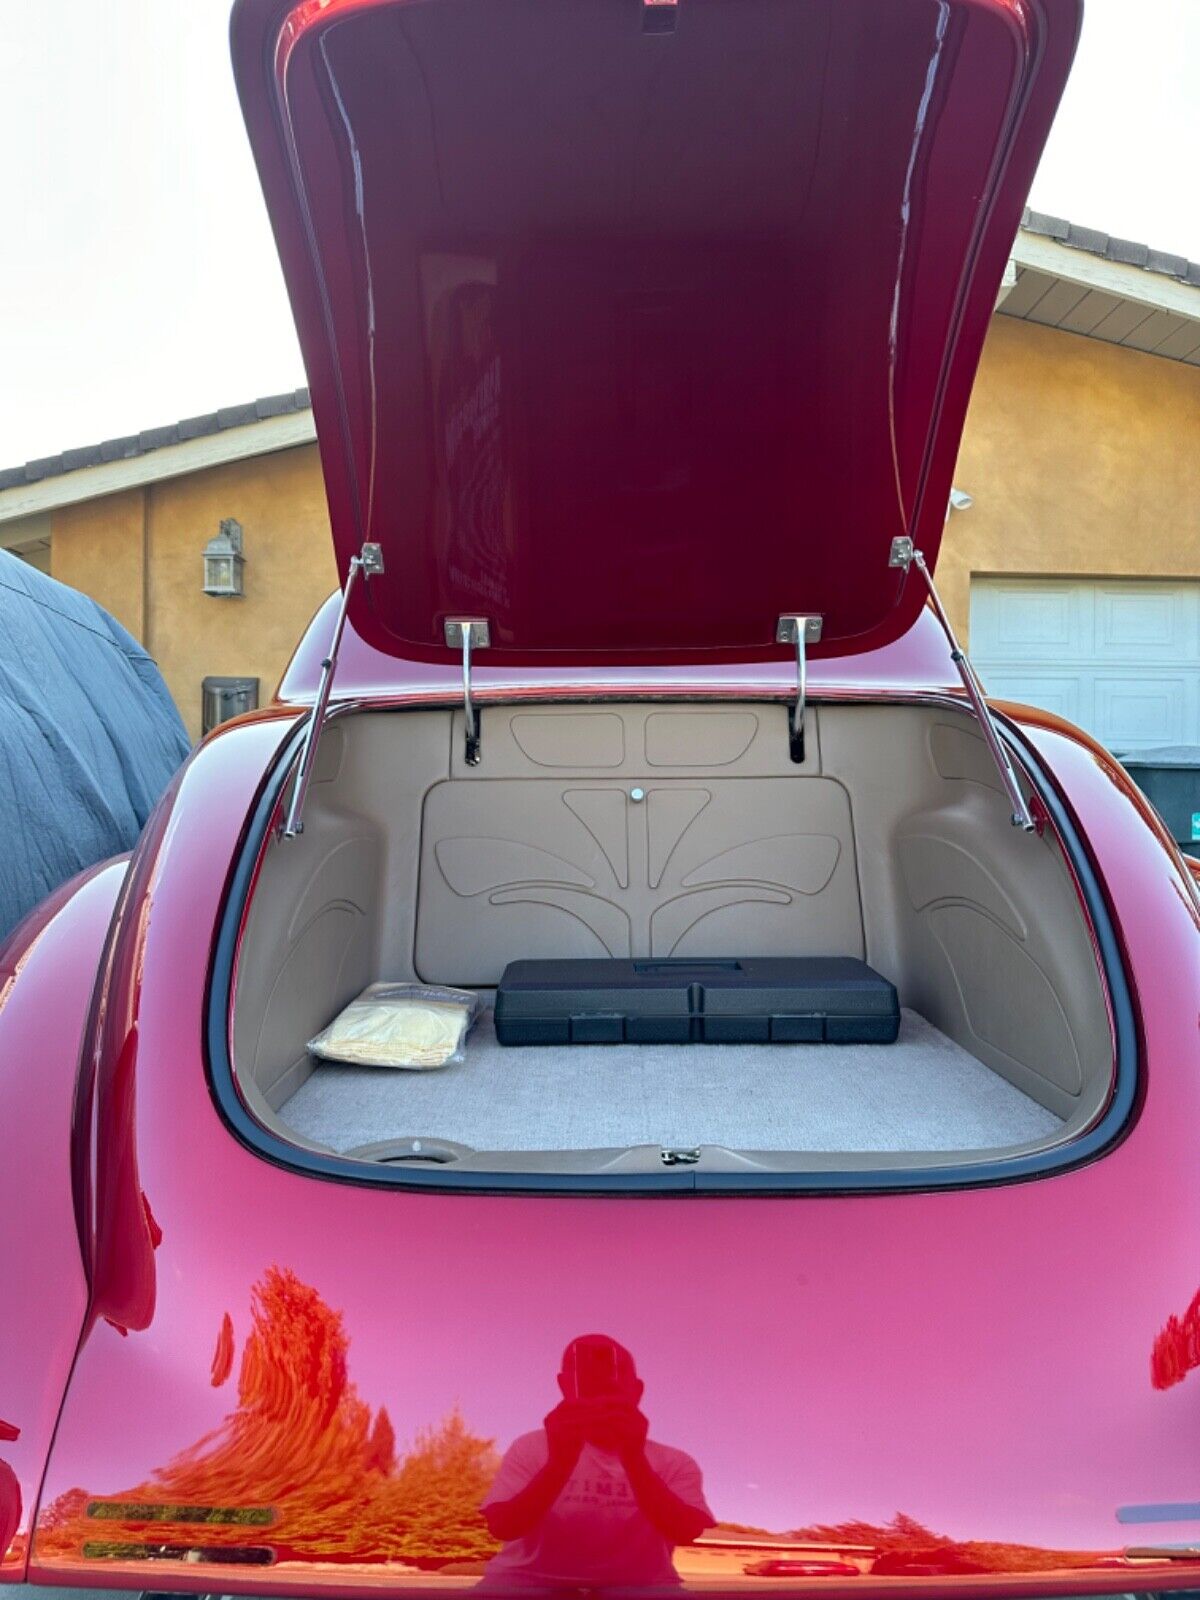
(89, 736)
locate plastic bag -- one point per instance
(406, 1025)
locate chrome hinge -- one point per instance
(906, 556)
(800, 631)
(468, 634)
(369, 564)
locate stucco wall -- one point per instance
(1083, 459)
(99, 546)
(280, 502)
(150, 542)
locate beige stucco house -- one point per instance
(1074, 574)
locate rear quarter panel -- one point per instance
(286, 1360)
(48, 971)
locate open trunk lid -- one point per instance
(635, 325)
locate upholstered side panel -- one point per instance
(316, 931)
(976, 922)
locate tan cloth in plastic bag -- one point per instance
(399, 1025)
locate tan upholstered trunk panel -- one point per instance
(977, 923)
(515, 868)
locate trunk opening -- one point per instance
(653, 829)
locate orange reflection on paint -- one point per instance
(10, 1497)
(302, 1469)
(1176, 1349)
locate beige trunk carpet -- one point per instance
(923, 1093)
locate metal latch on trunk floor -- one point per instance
(906, 556)
(368, 563)
(800, 631)
(468, 634)
(679, 1158)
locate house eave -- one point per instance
(67, 487)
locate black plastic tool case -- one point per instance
(763, 999)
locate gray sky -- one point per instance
(138, 278)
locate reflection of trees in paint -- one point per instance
(899, 1548)
(302, 1445)
(906, 1545)
(438, 1491)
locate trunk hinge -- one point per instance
(368, 562)
(800, 631)
(467, 634)
(905, 556)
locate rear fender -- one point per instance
(48, 971)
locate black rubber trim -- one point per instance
(973, 1175)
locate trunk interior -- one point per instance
(655, 830)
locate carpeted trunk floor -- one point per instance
(922, 1093)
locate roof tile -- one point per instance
(236, 416)
(120, 449)
(1042, 222)
(1090, 239)
(155, 438)
(1171, 266)
(197, 427)
(1129, 252)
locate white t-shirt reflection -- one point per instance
(595, 1535)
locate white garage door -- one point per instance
(1120, 658)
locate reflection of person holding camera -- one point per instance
(588, 1501)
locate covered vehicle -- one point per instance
(89, 736)
(640, 337)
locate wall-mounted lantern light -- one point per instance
(223, 560)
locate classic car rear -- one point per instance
(640, 338)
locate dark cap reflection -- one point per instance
(589, 1500)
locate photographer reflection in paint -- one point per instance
(588, 1500)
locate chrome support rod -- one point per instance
(906, 556)
(466, 633)
(368, 562)
(800, 631)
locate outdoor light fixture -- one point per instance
(223, 560)
(960, 500)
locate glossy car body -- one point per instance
(226, 1373)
